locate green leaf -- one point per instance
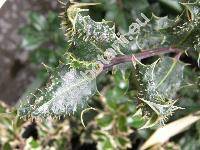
(137, 121)
(158, 84)
(185, 32)
(182, 32)
(123, 142)
(37, 20)
(150, 35)
(122, 123)
(40, 30)
(7, 146)
(104, 120)
(115, 98)
(169, 76)
(67, 92)
(32, 40)
(121, 78)
(32, 144)
(173, 4)
(104, 140)
(91, 40)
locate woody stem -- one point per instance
(139, 56)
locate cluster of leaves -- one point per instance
(19, 134)
(43, 38)
(138, 95)
(88, 39)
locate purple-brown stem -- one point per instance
(139, 56)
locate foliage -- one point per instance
(86, 34)
(14, 131)
(128, 97)
(43, 38)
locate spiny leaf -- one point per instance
(69, 15)
(150, 36)
(158, 84)
(185, 33)
(67, 92)
(182, 32)
(90, 39)
(169, 76)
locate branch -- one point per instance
(139, 56)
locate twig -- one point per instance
(139, 56)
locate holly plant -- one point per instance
(143, 71)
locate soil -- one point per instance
(16, 73)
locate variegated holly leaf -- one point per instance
(185, 34)
(150, 36)
(182, 32)
(158, 84)
(67, 92)
(89, 39)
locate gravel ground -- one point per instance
(15, 71)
